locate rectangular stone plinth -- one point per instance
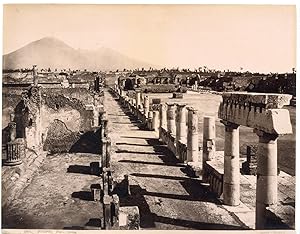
(213, 173)
(253, 110)
(96, 192)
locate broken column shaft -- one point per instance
(146, 106)
(209, 135)
(231, 183)
(171, 124)
(192, 136)
(266, 186)
(155, 121)
(163, 118)
(181, 127)
(138, 99)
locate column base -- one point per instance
(12, 163)
(231, 194)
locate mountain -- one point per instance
(52, 53)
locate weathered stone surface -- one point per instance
(272, 121)
(264, 100)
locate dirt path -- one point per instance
(166, 196)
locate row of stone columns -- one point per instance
(173, 119)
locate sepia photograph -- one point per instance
(148, 117)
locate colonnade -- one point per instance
(178, 129)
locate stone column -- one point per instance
(171, 124)
(138, 99)
(163, 117)
(155, 121)
(181, 127)
(231, 183)
(209, 135)
(146, 106)
(15, 152)
(192, 136)
(266, 186)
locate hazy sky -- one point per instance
(257, 38)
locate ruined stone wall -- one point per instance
(10, 99)
(64, 118)
(53, 119)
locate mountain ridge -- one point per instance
(50, 52)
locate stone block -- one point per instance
(156, 101)
(129, 218)
(272, 121)
(177, 95)
(96, 192)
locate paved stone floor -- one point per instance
(58, 196)
(166, 196)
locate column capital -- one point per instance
(181, 105)
(170, 104)
(266, 136)
(163, 106)
(192, 109)
(229, 124)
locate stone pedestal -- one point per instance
(171, 124)
(192, 136)
(181, 126)
(15, 152)
(231, 184)
(266, 186)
